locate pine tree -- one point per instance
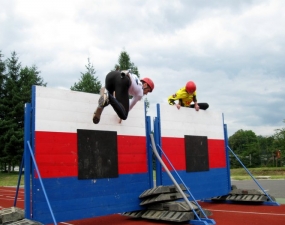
(17, 87)
(124, 63)
(2, 80)
(88, 82)
(28, 78)
(12, 135)
(2, 114)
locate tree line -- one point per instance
(258, 151)
(15, 90)
(16, 84)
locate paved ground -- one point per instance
(222, 214)
(273, 187)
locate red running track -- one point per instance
(223, 214)
(7, 196)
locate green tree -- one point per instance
(2, 80)
(245, 145)
(2, 76)
(279, 144)
(29, 76)
(124, 63)
(265, 148)
(16, 92)
(12, 136)
(2, 114)
(88, 82)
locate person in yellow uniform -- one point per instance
(185, 96)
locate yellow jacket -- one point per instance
(184, 98)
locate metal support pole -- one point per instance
(27, 161)
(41, 182)
(252, 176)
(19, 181)
(199, 221)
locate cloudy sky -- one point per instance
(233, 50)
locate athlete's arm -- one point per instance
(134, 100)
(172, 99)
(196, 106)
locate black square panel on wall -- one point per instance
(97, 154)
(197, 158)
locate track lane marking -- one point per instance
(271, 214)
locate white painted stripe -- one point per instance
(258, 213)
(13, 191)
(9, 199)
(185, 121)
(66, 111)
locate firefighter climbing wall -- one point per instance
(88, 170)
(194, 143)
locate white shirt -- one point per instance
(135, 90)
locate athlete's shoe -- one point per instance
(97, 115)
(102, 102)
(104, 98)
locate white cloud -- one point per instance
(234, 51)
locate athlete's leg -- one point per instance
(119, 84)
(102, 102)
(104, 98)
(202, 106)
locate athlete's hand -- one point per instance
(177, 106)
(197, 107)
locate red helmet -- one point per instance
(149, 83)
(190, 87)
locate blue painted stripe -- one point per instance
(73, 199)
(203, 185)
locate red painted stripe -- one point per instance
(217, 153)
(132, 156)
(174, 148)
(56, 154)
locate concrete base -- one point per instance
(15, 216)
(11, 215)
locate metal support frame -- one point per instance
(19, 181)
(157, 138)
(28, 155)
(27, 160)
(266, 203)
(149, 152)
(227, 154)
(41, 182)
(200, 221)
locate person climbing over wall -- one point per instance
(185, 96)
(118, 86)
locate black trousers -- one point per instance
(114, 82)
(203, 106)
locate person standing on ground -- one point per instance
(185, 96)
(118, 86)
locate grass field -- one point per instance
(11, 179)
(273, 172)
